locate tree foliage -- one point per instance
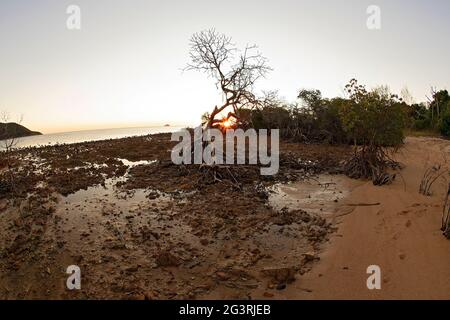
(373, 118)
(444, 123)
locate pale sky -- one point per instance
(123, 68)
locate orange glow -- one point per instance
(226, 123)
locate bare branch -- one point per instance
(214, 54)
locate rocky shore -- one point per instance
(140, 227)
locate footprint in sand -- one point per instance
(420, 213)
(396, 236)
(403, 213)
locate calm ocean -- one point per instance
(90, 135)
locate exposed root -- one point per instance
(211, 174)
(446, 215)
(429, 177)
(371, 163)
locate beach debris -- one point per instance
(310, 256)
(446, 215)
(363, 204)
(282, 275)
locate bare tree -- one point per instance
(430, 102)
(8, 136)
(7, 145)
(234, 71)
(407, 96)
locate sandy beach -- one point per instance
(401, 235)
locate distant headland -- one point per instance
(14, 130)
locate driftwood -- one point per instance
(446, 215)
(363, 204)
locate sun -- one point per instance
(226, 123)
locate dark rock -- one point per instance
(167, 259)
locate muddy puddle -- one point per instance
(321, 194)
(123, 212)
(131, 164)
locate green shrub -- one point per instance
(422, 124)
(444, 124)
(373, 118)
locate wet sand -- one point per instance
(401, 235)
(140, 227)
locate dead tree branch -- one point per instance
(234, 71)
(446, 215)
(7, 145)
